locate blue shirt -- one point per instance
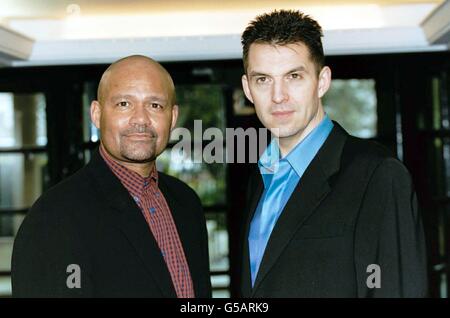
(280, 178)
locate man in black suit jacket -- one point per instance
(96, 234)
(342, 220)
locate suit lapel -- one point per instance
(257, 186)
(127, 216)
(309, 192)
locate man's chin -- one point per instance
(139, 157)
(281, 132)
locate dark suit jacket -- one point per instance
(354, 206)
(91, 220)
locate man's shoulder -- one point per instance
(365, 151)
(74, 184)
(64, 195)
(372, 156)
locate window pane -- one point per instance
(201, 102)
(6, 245)
(222, 282)
(218, 253)
(90, 132)
(22, 179)
(5, 286)
(217, 241)
(353, 104)
(22, 120)
(208, 180)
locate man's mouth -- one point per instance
(139, 136)
(282, 113)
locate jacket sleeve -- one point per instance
(45, 247)
(389, 234)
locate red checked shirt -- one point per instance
(154, 207)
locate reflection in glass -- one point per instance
(22, 179)
(6, 246)
(22, 120)
(217, 241)
(218, 252)
(240, 107)
(222, 282)
(208, 180)
(5, 286)
(353, 104)
(200, 102)
(90, 132)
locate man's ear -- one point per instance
(324, 81)
(96, 113)
(246, 88)
(174, 117)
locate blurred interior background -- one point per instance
(390, 63)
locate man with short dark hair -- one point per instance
(118, 227)
(329, 215)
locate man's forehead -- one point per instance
(294, 50)
(133, 73)
(265, 56)
(137, 87)
(131, 77)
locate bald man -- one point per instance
(118, 227)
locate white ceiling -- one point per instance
(92, 31)
(60, 8)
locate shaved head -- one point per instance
(130, 63)
(135, 111)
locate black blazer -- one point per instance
(91, 220)
(354, 206)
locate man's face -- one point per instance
(283, 83)
(135, 114)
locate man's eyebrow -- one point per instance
(256, 73)
(155, 98)
(120, 96)
(296, 69)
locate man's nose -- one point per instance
(140, 115)
(279, 92)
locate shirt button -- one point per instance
(152, 210)
(136, 199)
(163, 254)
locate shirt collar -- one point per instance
(300, 156)
(133, 181)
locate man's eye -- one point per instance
(123, 104)
(261, 80)
(156, 105)
(295, 75)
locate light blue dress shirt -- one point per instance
(280, 177)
